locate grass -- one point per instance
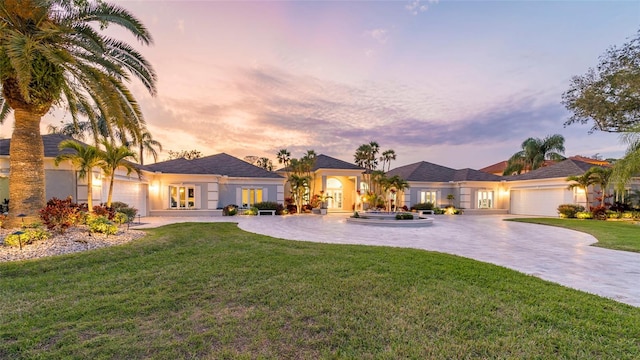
(616, 235)
(212, 291)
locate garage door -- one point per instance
(132, 193)
(542, 202)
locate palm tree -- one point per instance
(147, 145)
(534, 152)
(299, 185)
(601, 176)
(115, 157)
(53, 53)
(84, 158)
(582, 182)
(309, 162)
(366, 156)
(629, 166)
(284, 157)
(386, 158)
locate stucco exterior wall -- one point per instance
(61, 184)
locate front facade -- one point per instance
(204, 186)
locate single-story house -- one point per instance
(205, 185)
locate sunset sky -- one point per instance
(457, 83)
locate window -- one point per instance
(485, 199)
(182, 196)
(428, 196)
(251, 196)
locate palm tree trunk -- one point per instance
(26, 169)
(113, 175)
(90, 190)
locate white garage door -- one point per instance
(132, 193)
(542, 202)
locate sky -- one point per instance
(457, 83)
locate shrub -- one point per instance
(438, 211)
(121, 218)
(356, 215)
(101, 224)
(568, 211)
(404, 216)
(120, 207)
(599, 212)
(423, 206)
(28, 236)
(584, 215)
(252, 211)
(104, 210)
(613, 214)
(266, 205)
(59, 215)
(230, 210)
(628, 215)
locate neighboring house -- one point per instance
(471, 189)
(205, 185)
(338, 179)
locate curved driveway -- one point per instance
(554, 254)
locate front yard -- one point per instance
(212, 291)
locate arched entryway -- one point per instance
(335, 193)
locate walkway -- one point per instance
(558, 255)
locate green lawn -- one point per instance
(213, 291)
(617, 235)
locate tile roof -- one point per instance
(428, 172)
(220, 164)
(328, 162)
(50, 142)
(561, 169)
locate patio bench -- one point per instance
(272, 212)
(422, 213)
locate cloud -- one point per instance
(269, 108)
(379, 35)
(415, 7)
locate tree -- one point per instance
(184, 154)
(366, 156)
(147, 145)
(629, 166)
(595, 175)
(84, 158)
(608, 95)
(284, 157)
(534, 152)
(251, 159)
(299, 185)
(265, 163)
(52, 53)
(386, 158)
(115, 157)
(601, 176)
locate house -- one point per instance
(205, 185)
(471, 189)
(62, 181)
(337, 179)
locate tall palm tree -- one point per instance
(386, 158)
(534, 152)
(52, 52)
(147, 145)
(84, 158)
(115, 157)
(284, 157)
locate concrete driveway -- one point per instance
(554, 254)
